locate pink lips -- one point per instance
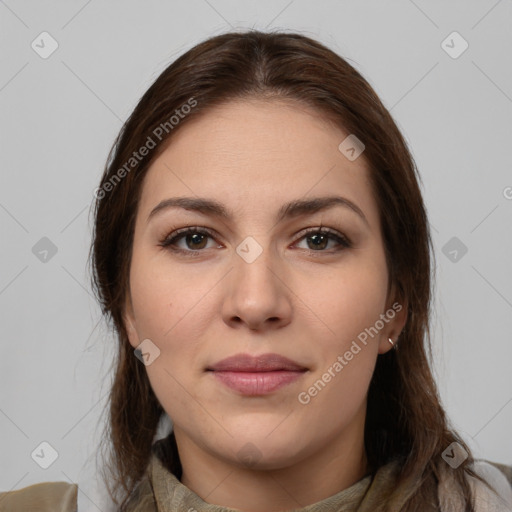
(257, 375)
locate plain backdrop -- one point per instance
(450, 94)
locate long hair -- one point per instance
(405, 420)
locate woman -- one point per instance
(262, 248)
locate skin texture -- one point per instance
(305, 303)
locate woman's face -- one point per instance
(258, 284)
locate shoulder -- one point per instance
(42, 497)
(499, 476)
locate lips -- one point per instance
(262, 363)
(256, 375)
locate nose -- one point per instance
(256, 294)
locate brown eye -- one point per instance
(318, 240)
(195, 240)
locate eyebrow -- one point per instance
(289, 210)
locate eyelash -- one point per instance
(169, 242)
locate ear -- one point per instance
(129, 323)
(394, 317)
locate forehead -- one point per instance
(258, 154)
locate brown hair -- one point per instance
(405, 419)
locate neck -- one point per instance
(338, 465)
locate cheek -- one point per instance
(162, 294)
(170, 320)
(337, 396)
(351, 299)
(172, 310)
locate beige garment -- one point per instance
(43, 497)
(161, 491)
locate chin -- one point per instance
(264, 452)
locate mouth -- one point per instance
(256, 375)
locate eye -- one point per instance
(320, 238)
(196, 239)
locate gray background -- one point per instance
(59, 117)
